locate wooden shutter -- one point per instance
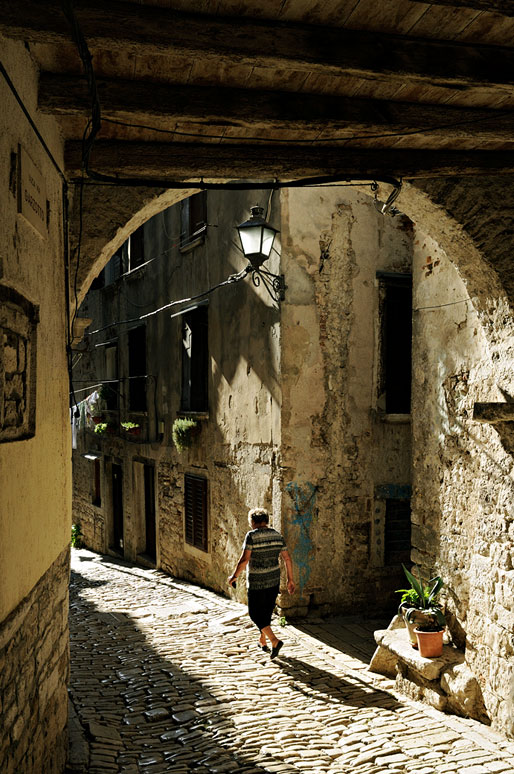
(195, 506)
(197, 214)
(137, 248)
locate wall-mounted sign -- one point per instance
(18, 341)
(31, 192)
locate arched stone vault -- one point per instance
(471, 218)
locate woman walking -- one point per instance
(261, 551)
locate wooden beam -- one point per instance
(181, 161)
(164, 105)
(146, 30)
(503, 7)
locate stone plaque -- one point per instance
(18, 322)
(31, 192)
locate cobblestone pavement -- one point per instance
(167, 677)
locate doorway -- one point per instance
(117, 508)
(150, 531)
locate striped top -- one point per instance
(263, 571)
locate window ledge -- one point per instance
(199, 240)
(393, 419)
(203, 556)
(193, 414)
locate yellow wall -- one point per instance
(35, 474)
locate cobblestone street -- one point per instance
(167, 677)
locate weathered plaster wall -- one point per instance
(463, 484)
(336, 446)
(35, 474)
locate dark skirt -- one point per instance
(261, 603)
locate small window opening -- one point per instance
(396, 342)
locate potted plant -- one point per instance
(131, 427)
(183, 431)
(420, 607)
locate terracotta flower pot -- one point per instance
(430, 644)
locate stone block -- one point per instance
(397, 641)
(383, 662)
(464, 692)
(99, 731)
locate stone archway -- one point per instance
(471, 218)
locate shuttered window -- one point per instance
(195, 502)
(193, 219)
(136, 250)
(397, 537)
(137, 368)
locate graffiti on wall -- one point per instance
(304, 501)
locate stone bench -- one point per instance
(446, 682)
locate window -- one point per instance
(114, 268)
(110, 390)
(397, 532)
(195, 360)
(193, 219)
(96, 498)
(137, 369)
(195, 508)
(136, 249)
(396, 341)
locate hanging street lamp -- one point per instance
(257, 237)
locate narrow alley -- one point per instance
(167, 677)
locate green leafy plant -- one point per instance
(129, 425)
(104, 427)
(183, 431)
(76, 536)
(422, 598)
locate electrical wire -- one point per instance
(440, 306)
(229, 281)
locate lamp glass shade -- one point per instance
(268, 237)
(256, 235)
(251, 237)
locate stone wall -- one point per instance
(34, 661)
(463, 523)
(89, 516)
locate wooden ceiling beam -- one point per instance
(503, 7)
(148, 30)
(165, 105)
(181, 161)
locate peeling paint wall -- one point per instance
(338, 445)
